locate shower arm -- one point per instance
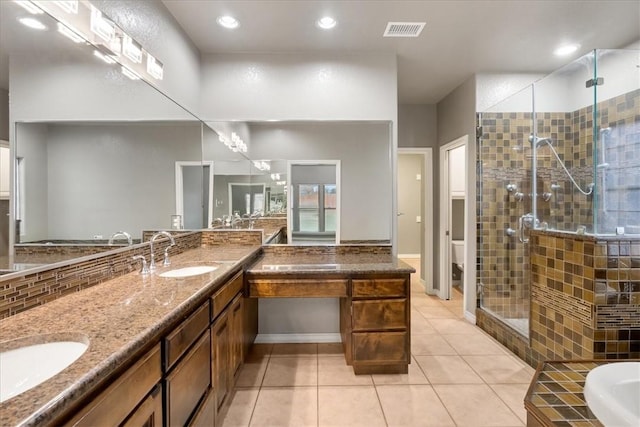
(555, 153)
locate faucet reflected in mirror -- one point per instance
(118, 234)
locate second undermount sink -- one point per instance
(25, 367)
(612, 392)
(189, 271)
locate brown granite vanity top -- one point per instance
(119, 319)
(328, 263)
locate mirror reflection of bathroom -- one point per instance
(4, 198)
(457, 176)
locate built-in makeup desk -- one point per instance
(374, 291)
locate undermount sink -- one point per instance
(189, 271)
(25, 367)
(612, 392)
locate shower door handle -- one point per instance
(525, 221)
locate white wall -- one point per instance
(504, 92)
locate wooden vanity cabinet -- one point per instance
(378, 323)
(220, 333)
(133, 399)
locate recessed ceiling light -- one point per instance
(326, 22)
(228, 21)
(32, 23)
(566, 49)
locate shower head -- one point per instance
(539, 142)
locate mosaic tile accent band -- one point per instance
(31, 289)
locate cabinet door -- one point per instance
(188, 382)
(149, 413)
(235, 336)
(220, 357)
(118, 401)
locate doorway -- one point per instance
(313, 213)
(415, 212)
(246, 199)
(454, 219)
(194, 194)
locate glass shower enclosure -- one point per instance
(562, 155)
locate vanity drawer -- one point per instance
(362, 288)
(380, 347)
(114, 404)
(312, 288)
(188, 382)
(379, 314)
(223, 297)
(184, 335)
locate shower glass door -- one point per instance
(506, 209)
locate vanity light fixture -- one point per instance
(261, 165)
(154, 67)
(282, 183)
(32, 23)
(131, 49)
(275, 176)
(69, 33)
(326, 23)
(105, 58)
(565, 50)
(101, 26)
(235, 143)
(69, 6)
(227, 21)
(127, 72)
(29, 7)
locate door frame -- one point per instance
(244, 184)
(291, 163)
(469, 274)
(180, 185)
(427, 260)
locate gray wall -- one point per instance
(4, 114)
(34, 155)
(456, 118)
(410, 232)
(418, 127)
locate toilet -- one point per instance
(457, 253)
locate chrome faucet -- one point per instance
(120, 233)
(145, 269)
(152, 264)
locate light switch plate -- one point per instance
(418, 177)
(418, 218)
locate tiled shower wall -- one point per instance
(505, 158)
(587, 302)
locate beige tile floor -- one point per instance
(459, 376)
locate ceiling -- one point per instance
(461, 37)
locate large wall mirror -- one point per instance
(96, 152)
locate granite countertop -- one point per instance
(325, 263)
(119, 318)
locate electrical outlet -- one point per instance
(418, 177)
(418, 219)
(97, 236)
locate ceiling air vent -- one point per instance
(403, 29)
